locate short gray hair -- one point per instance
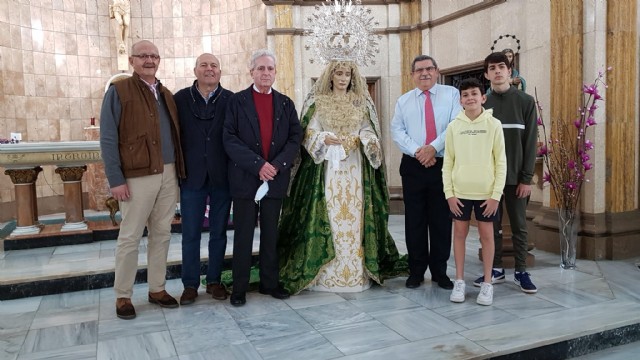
(260, 53)
(422, 58)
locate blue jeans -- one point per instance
(192, 207)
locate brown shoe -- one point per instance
(163, 299)
(125, 309)
(189, 296)
(217, 291)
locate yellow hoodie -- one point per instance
(475, 163)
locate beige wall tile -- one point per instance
(16, 36)
(29, 111)
(49, 64)
(4, 12)
(104, 26)
(27, 62)
(57, 18)
(92, 24)
(48, 41)
(5, 38)
(29, 85)
(25, 37)
(6, 189)
(18, 82)
(69, 22)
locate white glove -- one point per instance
(334, 155)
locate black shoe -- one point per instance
(444, 282)
(278, 293)
(238, 299)
(414, 281)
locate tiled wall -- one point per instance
(56, 56)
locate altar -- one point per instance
(23, 162)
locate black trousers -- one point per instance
(427, 220)
(245, 214)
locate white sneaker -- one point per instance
(485, 297)
(457, 294)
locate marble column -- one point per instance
(24, 181)
(74, 211)
(410, 39)
(283, 44)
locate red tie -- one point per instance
(429, 119)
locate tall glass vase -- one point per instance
(569, 222)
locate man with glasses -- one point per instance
(201, 109)
(419, 128)
(140, 143)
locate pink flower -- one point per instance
(539, 121)
(570, 185)
(543, 150)
(591, 121)
(571, 164)
(585, 157)
(577, 123)
(546, 177)
(588, 144)
(590, 89)
(587, 166)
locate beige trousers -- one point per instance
(152, 203)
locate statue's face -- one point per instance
(207, 70)
(509, 56)
(341, 78)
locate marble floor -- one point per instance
(384, 322)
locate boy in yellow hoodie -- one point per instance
(473, 173)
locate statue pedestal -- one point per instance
(123, 62)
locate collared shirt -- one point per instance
(408, 128)
(258, 91)
(206, 99)
(153, 87)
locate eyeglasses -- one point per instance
(428, 69)
(147, 56)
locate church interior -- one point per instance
(57, 240)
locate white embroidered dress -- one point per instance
(346, 119)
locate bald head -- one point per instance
(143, 43)
(207, 71)
(207, 57)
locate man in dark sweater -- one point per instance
(517, 112)
(201, 110)
(262, 136)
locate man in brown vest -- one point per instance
(140, 143)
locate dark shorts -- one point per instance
(475, 205)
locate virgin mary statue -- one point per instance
(333, 233)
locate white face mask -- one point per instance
(262, 191)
